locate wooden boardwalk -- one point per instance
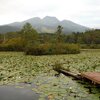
(93, 76)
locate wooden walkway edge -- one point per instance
(70, 74)
(92, 76)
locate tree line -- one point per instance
(32, 42)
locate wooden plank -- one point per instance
(70, 74)
(93, 76)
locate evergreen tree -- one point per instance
(29, 34)
(59, 33)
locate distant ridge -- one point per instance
(46, 25)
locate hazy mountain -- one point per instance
(47, 24)
(7, 28)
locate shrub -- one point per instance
(57, 66)
(72, 48)
(41, 49)
(90, 46)
(48, 49)
(14, 44)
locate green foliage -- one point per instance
(20, 40)
(90, 46)
(49, 49)
(59, 34)
(14, 44)
(17, 68)
(57, 66)
(67, 48)
(40, 49)
(6, 47)
(29, 34)
(89, 37)
(29, 41)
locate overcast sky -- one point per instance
(84, 12)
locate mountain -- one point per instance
(7, 28)
(46, 25)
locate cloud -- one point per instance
(85, 12)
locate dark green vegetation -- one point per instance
(38, 70)
(33, 43)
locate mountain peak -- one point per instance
(50, 18)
